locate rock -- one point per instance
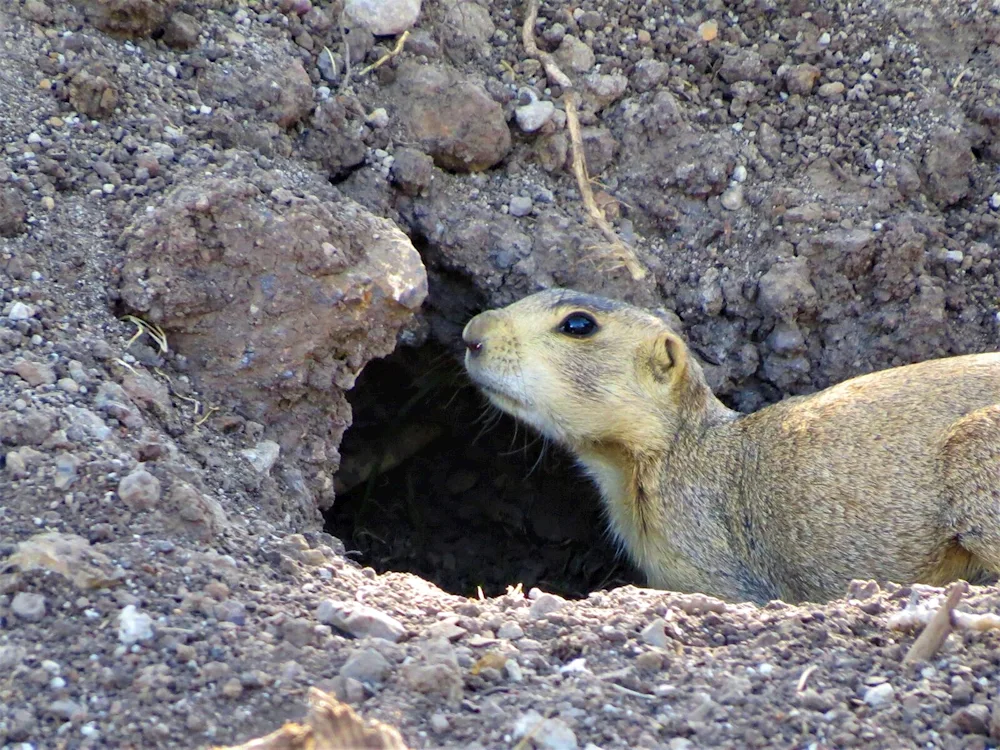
(35, 373)
(384, 17)
(510, 630)
(147, 392)
(359, 620)
(439, 723)
(654, 634)
(139, 490)
(85, 425)
(334, 138)
(574, 56)
(648, 74)
(453, 118)
(15, 465)
(549, 734)
(732, 199)
(297, 331)
(38, 11)
(12, 214)
(112, 398)
(66, 710)
(92, 94)
(20, 311)
(601, 90)
(66, 468)
(129, 18)
(192, 511)
(366, 665)
(533, 116)
(28, 428)
(816, 701)
(28, 607)
(831, 90)
(436, 671)
(231, 610)
(285, 94)
(69, 555)
(466, 31)
(546, 604)
(741, 65)
(520, 205)
(972, 719)
(181, 31)
(948, 167)
(263, 456)
(785, 290)
(412, 171)
(134, 626)
(800, 79)
(879, 695)
(448, 630)
(599, 148)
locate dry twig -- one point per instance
(619, 249)
(805, 677)
(938, 629)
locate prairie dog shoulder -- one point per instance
(792, 501)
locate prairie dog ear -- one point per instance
(670, 356)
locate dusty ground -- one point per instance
(815, 191)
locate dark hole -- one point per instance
(434, 483)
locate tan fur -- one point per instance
(894, 475)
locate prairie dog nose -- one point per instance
(476, 330)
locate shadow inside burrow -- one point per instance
(436, 483)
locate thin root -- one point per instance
(387, 56)
(619, 249)
(209, 413)
(150, 329)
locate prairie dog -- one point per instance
(894, 475)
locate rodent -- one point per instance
(892, 476)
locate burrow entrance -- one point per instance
(434, 483)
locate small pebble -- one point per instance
(879, 695)
(520, 206)
(533, 116)
(545, 604)
(20, 311)
(27, 606)
(732, 199)
(654, 634)
(134, 626)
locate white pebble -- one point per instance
(20, 311)
(134, 626)
(740, 173)
(879, 695)
(995, 201)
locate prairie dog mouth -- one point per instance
(496, 389)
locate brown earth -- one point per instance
(186, 508)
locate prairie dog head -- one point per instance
(583, 370)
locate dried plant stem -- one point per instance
(938, 629)
(620, 250)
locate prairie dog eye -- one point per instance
(578, 324)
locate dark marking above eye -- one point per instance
(578, 324)
(576, 299)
